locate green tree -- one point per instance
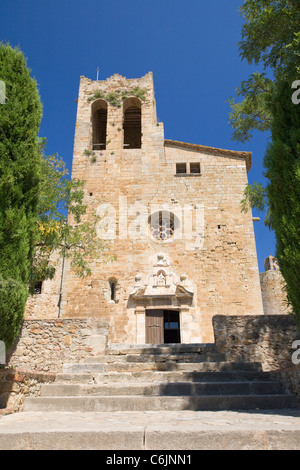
(271, 38)
(61, 227)
(282, 164)
(41, 209)
(20, 166)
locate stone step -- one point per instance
(160, 366)
(161, 357)
(159, 388)
(152, 431)
(171, 348)
(161, 376)
(75, 378)
(160, 403)
(214, 366)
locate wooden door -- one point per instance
(154, 326)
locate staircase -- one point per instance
(161, 377)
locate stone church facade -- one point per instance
(181, 249)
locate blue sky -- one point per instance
(190, 46)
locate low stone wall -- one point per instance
(44, 345)
(291, 378)
(257, 338)
(16, 385)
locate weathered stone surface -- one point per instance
(45, 305)
(15, 385)
(291, 378)
(273, 294)
(168, 430)
(266, 339)
(50, 343)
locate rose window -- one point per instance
(162, 225)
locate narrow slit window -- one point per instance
(112, 289)
(180, 168)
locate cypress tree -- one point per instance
(271, 38)
(282, 164)
(20, 163)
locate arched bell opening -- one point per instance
(99, 124)
(132, 123)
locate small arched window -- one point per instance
(99, 124)
(113, 289)
(132, 123)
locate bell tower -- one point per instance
(115, 116)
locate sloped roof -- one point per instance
(212, 151)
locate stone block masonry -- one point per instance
(273, 294)
(15, 385)
(44, 304)
(44, 345)
(266, 339)
(291, 378)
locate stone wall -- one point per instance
(44, 345)
(15, 385)
(266, 339)
(45, 305)
(291, 378)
